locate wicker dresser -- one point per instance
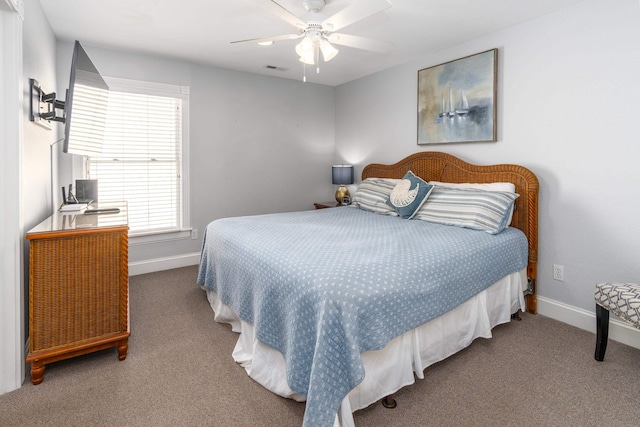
(78, 287)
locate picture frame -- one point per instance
(457, 100)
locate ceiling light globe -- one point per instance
(328, 51)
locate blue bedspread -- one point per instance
(323, 286)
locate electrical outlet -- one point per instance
(194, 234)
(558, 272)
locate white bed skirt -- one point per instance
(393, 367)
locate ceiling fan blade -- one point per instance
(359, 42)
(356, 12)
(282, 13)
(270, 39)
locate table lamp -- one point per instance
(342, 175)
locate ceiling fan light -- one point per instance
(266, 43)
(328, 51)
(304, 47)
(306, 51)
(306, 60)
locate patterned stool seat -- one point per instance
(623, 300)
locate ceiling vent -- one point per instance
(274, 68)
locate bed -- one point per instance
(339, 307)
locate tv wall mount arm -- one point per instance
(43, 106)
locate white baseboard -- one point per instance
(161, 264)
(618, 330)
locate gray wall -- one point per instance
(258, 144)
(39, 62)
(568, 85)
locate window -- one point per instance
(142, 159)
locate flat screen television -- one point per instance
(85, 106)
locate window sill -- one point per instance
(160, 236)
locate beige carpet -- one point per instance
(179, 372)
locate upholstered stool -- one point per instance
(623, 300)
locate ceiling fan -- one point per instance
(318, 31)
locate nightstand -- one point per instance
(324, 205)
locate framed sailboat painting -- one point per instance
(457, 100)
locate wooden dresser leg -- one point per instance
(122, 349)
(37, 372)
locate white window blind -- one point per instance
(141, 160)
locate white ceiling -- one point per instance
(201, 30)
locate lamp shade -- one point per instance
(342, 174)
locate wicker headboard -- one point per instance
(436, 166)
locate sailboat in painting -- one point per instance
(446, 105)
(447, 108)
(443, 107)
(463, 105)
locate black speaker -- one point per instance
(87, 190)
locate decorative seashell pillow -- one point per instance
(409, 195)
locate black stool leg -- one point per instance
(602, 331)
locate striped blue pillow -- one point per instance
(480, 210)
(373, 193)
